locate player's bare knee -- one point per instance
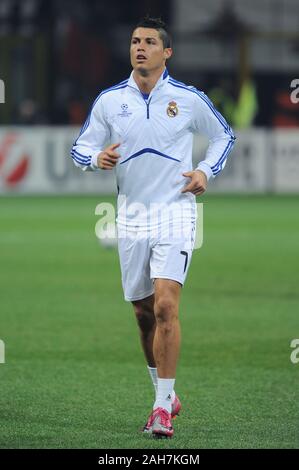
(144, 315)
(166, 311)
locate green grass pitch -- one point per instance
(75, 376)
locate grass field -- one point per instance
(74, 375)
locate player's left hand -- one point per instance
(198, 183)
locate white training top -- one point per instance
(156, 136)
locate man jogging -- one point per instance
(143, 127)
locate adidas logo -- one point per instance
(169, 397)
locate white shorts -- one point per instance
(145, 256)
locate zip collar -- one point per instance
(163, 79)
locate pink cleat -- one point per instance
(162, 427)
(148, 426)
(176, 407)
(175, 410)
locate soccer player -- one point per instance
(143, 127)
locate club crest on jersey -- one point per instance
(172, 110)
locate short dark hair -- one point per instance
(159, 25)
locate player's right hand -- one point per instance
(108, 158)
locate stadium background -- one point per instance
(74, 375)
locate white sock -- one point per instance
(164, 394)
(154, 376)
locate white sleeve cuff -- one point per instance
(94, 161)
(203, 166)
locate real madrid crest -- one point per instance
(172, 109)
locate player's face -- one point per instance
(147, 50)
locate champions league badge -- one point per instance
(172, 109)
(125, 112)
